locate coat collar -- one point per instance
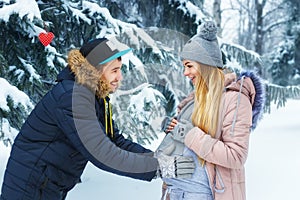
(65, 74)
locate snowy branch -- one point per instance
(279, 94)
(275, 24)
(132, 91)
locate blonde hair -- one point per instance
(208, 93)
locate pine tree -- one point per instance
(285, 62)
(282, 69)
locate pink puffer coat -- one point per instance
(226, 154)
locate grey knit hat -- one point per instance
(204, 47)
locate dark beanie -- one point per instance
(204, 47)
(102, 50)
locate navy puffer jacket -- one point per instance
(65, 130)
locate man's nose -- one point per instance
(120, 76)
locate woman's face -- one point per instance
(191, 70)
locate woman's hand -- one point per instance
(168, 124)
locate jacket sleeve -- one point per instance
(79, 122)
(231, 149)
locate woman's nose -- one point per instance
(186, 71)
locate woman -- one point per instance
(214, 123)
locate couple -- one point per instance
(201, 156)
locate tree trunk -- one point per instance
(217, 15)
(296, 18)
(259, 26)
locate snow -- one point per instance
(140, 87)
(253, 53)
(18, 73)
(12, 91)
(52, 55)
(149, 41)
(272, 168)
(137, 103)
(77, 14)
(30, 69)
(233, 64)
(187, 6)
(9, 132)
(95, 8)
(23, 8)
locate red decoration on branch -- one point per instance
(47, 37)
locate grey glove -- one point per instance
(175, 166)
(167, 146)
(181, 129)
(173, 143)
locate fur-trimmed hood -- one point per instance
(86, 74)
(255, 91)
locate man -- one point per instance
(72, 125)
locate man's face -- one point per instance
(112, 74)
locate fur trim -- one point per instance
(259, 100)
(86, 74)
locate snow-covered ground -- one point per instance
(272, 168)
(273, 165)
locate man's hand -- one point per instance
(175, 166)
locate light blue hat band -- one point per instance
(117, 55)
